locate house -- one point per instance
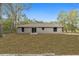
(40, 28)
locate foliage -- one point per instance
(69, 20)
(7, 25)
(14, 12)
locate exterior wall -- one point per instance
(48, 30)
(39, 30)
(26, 30)
(59, 29)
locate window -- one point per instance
(55, 29)
(42, 28)
(22, 29)
(62, 29)
(33, 30)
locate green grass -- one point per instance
(43, 43)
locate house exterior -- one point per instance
(40, 28)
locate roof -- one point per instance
(41, 25)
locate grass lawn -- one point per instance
(42, 43)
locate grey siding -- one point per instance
(59, 29)
(26, 30)
(39, 30)
(48, 30)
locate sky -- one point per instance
(48, 11)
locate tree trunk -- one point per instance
(13, 25)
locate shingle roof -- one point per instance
(41, 25)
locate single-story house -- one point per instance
(40, 28)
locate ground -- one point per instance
(60, 44)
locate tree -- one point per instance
(69, 20)
(73, 20)
(7, 23)
(14, 11)
(62, 18)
